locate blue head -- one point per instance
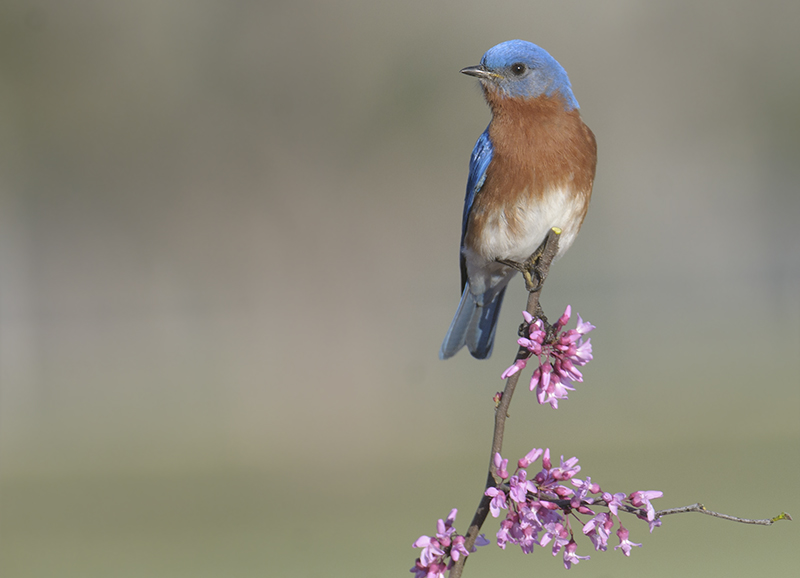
(520, 69)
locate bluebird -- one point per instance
(531, 170)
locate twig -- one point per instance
(547, 252)
(700, 508)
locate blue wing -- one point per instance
(473, 325)
(478, 163)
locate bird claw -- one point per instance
(531, 268)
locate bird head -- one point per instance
(520, 69)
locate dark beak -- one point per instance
(479, 72)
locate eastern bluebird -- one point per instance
(532, 169)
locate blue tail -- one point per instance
(473, 325)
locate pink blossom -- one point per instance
(567, 469)
(570, 557)
(624, 543)
(431, 549)
(503, 533)
(614, 501)
(434, 570)
(458, 548)
(640, 499)
(558, 357)
(539, 512)
(518, 365)
(598, 529)
(654, 524)
(584, 326)
(432, 562)
(580, 496)
(500, 466)
(531, 345)
(583, 353)
(588, 485)
(563, 491)
(529, 458)
(564, 319)
(445, 527)
(519, 486)
(566, 368)
(546, 371)
(498, 501)
(557, 533)
(555, 390)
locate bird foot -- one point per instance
(533, 279)
(533, 269)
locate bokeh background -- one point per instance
(228, 255)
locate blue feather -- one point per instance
(473, 325)
(545, 76)
(478, 163)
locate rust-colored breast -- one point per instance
(537, 147)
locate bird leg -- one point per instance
(534, 269)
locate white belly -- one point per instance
(559, 208)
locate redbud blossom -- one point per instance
(613, 501)
(570, 557)
(640, 499)
(432, 562)
(518, 365)
(529, 458)
(624, 543)
(559, 357)
(498, 501)
(567, 469)
(501, 466)
(564, 319)
(539, 511)
(598, 530)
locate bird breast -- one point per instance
(515, 230)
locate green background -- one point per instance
(228, 256)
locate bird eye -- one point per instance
(518, 68)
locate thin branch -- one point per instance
(641, 512)
(535, 271)
(544, 256)
(700, 508)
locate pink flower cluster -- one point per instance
(542, 510)
(559, 356)
(432, 563)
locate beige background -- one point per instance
(228, 255)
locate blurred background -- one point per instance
(229, 253)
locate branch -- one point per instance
(700, 508)
(540, 261)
